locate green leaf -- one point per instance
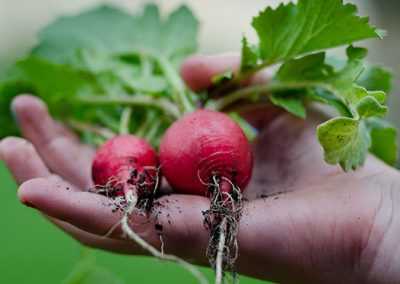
(312, 71)
(345, 141)
(104, 30)
(48, 80)
(384, 140)
(108, 33)
(370, 107)
(293, 103)
(228, 74)
(308, 68)
(149, 84)
(376, 78)
(249, 56)
(250, 131)
(311, 25)
(56, 85)
(179, 35)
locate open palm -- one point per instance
(304, 221)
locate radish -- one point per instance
(207, 153)
(127, 166)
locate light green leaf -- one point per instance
(311, 25)
(384, 140)
(369, 107)
(376, 78)
(104, 30)
(108, 33)
(179, 35)
(250, 131)
(345, 141)
(149, 84)
(249, 56)
(222, 77)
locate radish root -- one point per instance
(142, 206)
(222, 221)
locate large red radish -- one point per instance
(207, 153)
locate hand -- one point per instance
(319, 225)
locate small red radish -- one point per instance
(124, 164)
(206, 152)
(127, 165)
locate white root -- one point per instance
(222, 221)
(220, 254)
(131, 203)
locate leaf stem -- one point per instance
(248, 92)
(133, 100)
(87, 127)
(235, 81)
(180, 95)
(125, 120)
(177, 84)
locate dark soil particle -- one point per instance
(158, 227)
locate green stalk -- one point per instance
(87, 127)
(146, 65)
(135, 100)
(180, 95)
(147, 122)
(152, 130)
(235, 81)
(125, 120)
(248, 92)
(177, 84)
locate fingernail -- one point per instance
(28, 204)
(14, 115)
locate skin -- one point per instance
(325, 226)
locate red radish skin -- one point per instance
(122, 160)
(201, 144)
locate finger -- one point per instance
(95, 241)
(180, 215)
(61, 129)
(22, 159)
(62, 155)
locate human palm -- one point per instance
(304, 221)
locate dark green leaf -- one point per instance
(384, 140)
(293, 103)
(311, 25)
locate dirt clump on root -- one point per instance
(222, 221)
